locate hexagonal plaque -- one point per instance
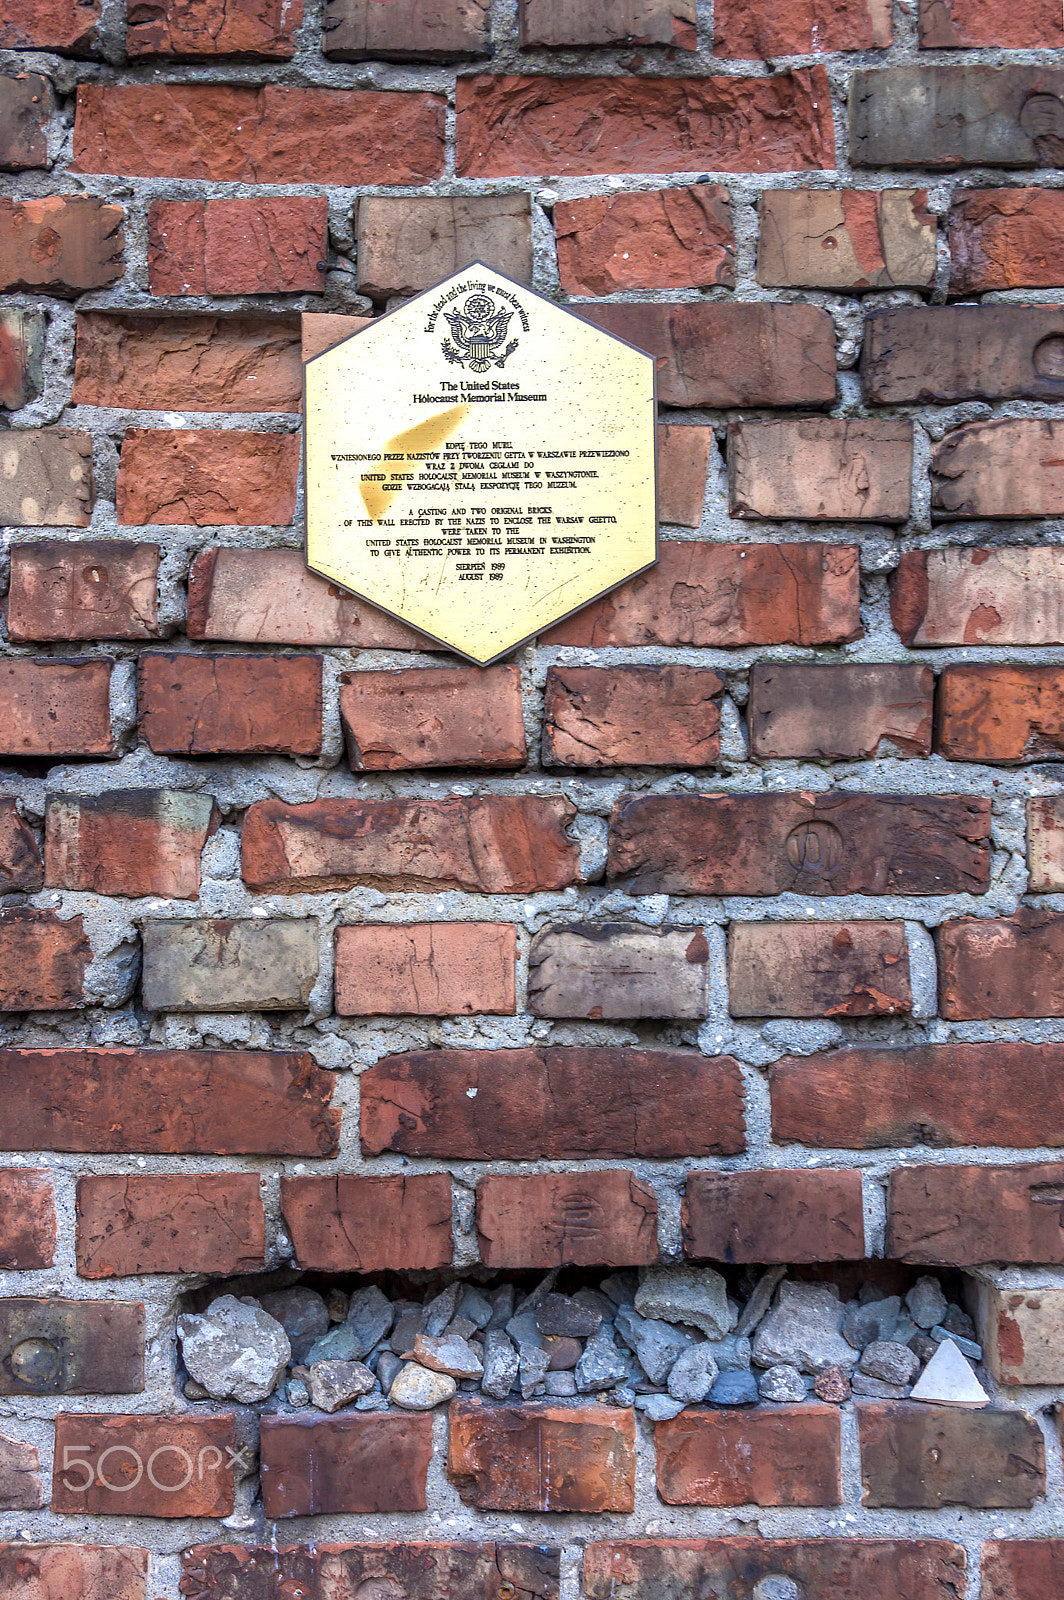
(480, 463)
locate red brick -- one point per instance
(971, 24)
(553, 1104)
(987, 352)
(432, 717)
(590, 22)
(46, 478)
(1022, 1569)
(684, 455)
(778, 1456)
(269, 597)
(137, 1224)
(55, 708)
(230, 705)
(26, 104)
(168, 1102)
(1002, 966)
(344, 1224)
(188, 363)
(408, 243)
(321, 330)
(556, 1219)
(826, 469)
(824, 844)
(778, 1215)
(1006, 468)
(1001, 713)
(596, 970)
(261, 246)
(207, 478)
(61, 244)
(826, 969)
(425, 30)
(346, 1464)
(461, 1571)
(493, 844)
(21, 869)
(20, 1477)
(915, 1456)
(72, 1571)
(91, 589)
(22, 336)
(51, 1346)
(539, 1457)
(1006, 1093)
(661, 239)
(27, 1218)
(170, 1449)
(845, 1569)
(42, 961)
(258, 30)
(962, 1216)
(532, 126)
(971, 596)
(631, 717)
(1006, 238)
(128, 842)
(840, 713)
(231, 134)
(727, 354)
(846, 239)
(426, 969)
(714, 595)
(66, 26)
(810, 27)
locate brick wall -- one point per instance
(723, 927)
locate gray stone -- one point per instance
(925, 1302)
(450, 1354)
(371, 1315)
(235, 1350)
(561, 1384)
(476, 1307)
(522, 1329)
(620, 1287)
(222, 965)
(903, 1330)
(890, 1362)
(416, 1389)
(693, 1374)
(501, 1364)
(591, 1300)
(657, 1345)
(459, 1328)
(759, 1301)
(333, 1384)
(336, 1304)
(783, 1385)
(408, 1324)
(195, 1391)
(532, 1369)
(501, 1301)
(957, 1321)
(734, 1389)
(922, 1345)
(694, 1295)
(877, 1389)
(967, 1347)
(388, 1364)
(802, 1330)
(558, 1315)
(296, 1393)
(341, 1343)
(302, 1314)
(862, 1325)
(732, 1353)
(659, 1407)
(621, 1395)
(440, 1310)
(372, 1402)
(602, 1364)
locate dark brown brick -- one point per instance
(345, 1464)
(1022, 1569)
(43, 960)
(559, 1219)
(21, 870)
(617, 969)
(73, 1571)
(20, 1478)
(840, 713)
(61, 244)
(966, 596)
(1005, 239)
(66, 26)
(989, 352)
(771, 1456)
(777, 1215)
(539, 1457)
(562, 24)
(826, 969)
(55, 708)
(141, 1224)
(409, 243)
(969, 24)
(27, 1218)
(631, 717)
(168, 1102)
(218, 964)
(915, 1456)
(1002, 966)
(824, 844)
(230, 705)
(432, 717)
(461, 1571)
(845, 239)
(96, 589)
(346, 1224)
(963, 1216)
(191, 363)
(26, 104)
(826, 469)
(977, 115)
(426, 969)
(553, 1104)
(71, 1347)
(128, 841)
(1001, 713)
(194, 30)
(144, 1466)
(845, 1569)
(1006, 468)
(46, 478)
(425, 30)
(22, 336)
(207, 477)
(657, 239)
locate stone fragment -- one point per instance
(21, 868)
(339, 1344)
(1007, 967)
(758, 1303)
(204, 477)
(51, 1346)
(22, 337)
(802, 1330)
(425, 969)
(825, 469)
(863, 1325)
(347, 1464)
(417, 1389)
(560, 1219)
(234, 1349)
(968, 24)
(60, 245)
(1006, 468)
(846, 239)
(229, 966)
(128, 842)
(957, 116)
(448, 1353)
(369, 1224)
(774, 1215)
(66, 26)
(46, 478)
(659, 1407)
(601, 1364)
(1020, 1317)
(221, 247)
(967, 1347)
(1005, 596)
(840, 712)
(500, 1365)
(369, 1315)
(660, 239)
(828, 969)
(616, 969)
(122, 1446)
(94, 589)
(43, 961)
(832, 1385)
(333, 1384)
(737, 1387)
(55, 708)
(783, 1455)
(20, 1477)
(889, 1361)
(531, 1370)
(693, 1373)
(558, 25)
(947, 353)
(213, 1222)
(542, 1457)
(558, 1314)
(913, 1456)
(301, 1313)
(696, 1296)
(429, 30)
(1018, 1568)
(231, 705)
(27, 1218)
(966, 1215)
(782, 1385)
(257, 30)
(925, 1302)
(877, 1389)
(429, 717)
(407, 245)
(26, 105)
(656, 1345)
(631, 716)
(530, 126)
(1005, 239)
(200, 363)
(476, 1306)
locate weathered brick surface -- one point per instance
(1045, 844)
(55, 708)
(238, 705)
(827, 969)
(718, 595)
(188, 363)
(20, 1478)
(573, 1103)
(1001, 713)
(820, 468)
(465, 1571)
(772, 1456)
(21, 868)
(369, 1224)
(571, 126)
(63, 1571)
(1001, 469)
(539, 1457)
(774, 1216)
(1005, 239)
(562, 23)
(684, 455)
(430, 717)
(224, 965)
(928, 1456)
(43, 959)
(1019, 1319)
(955, 116)
(71, 1347)
(168, 1102)
(139, 1224)
(1022, 1569)
(631, 717)
(495, 844)
(847, 1569)
(1006, 1093)
(207, 478)
(408, 244)
(92, 589)
(26, 103)
(62, 244)
(66, 26)
(773, 28)
(426, 969)
(1005, 596)
(128, 842)
(27, 1218)
(845, 239)
(567, 1219)
(258, 30)
(664, 239)
(347, 1463)
(432, 30)
(46, 478)
(916, 354)
(261, 246)
(767, 844)
(841, 712)
(947, 24)
(967, 1215)
(175, 130)
(22, 336)
(188, 1480)
(618, 969)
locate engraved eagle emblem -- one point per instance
(477, 331)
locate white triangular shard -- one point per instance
(948, 1380)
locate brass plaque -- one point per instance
(480, 463)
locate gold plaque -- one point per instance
(480, 463)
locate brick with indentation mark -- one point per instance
(615, 969)
(171, 1223)
(830, 969)
(842, 713)
(987, 352)
(846, 1569)
(216, 964)
(346, 1464)
(567, 1219)
(96, 589)
(777, 1215)
(663, 239)
(207, 478)
(539, 1457)
(845, 239)
(230, 705)
(631, 716)
(27, 1218)
(826, 469)
(71, 1346)
(191, 363)
(45, 478)
(771, 1456)
(432, 717)
(915, 1456)
(128, 841)
(61, 244)
(977, 115)
(426, 969)
(256, 30)
(1002, 966)
(73, 1571)
(962, 1216)
(1014, 595)
(346, 1224)
(138, 1466)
